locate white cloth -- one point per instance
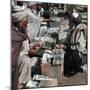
(25, 63)
(33, 25)
(47, 56)
(82, 43)
(80, 38)
(25, 48)
(43, 31)
(41, 12)
(75, 14)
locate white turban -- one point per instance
(18, 16)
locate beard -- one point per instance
(21, 29)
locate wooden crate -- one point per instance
(46, 70)
(56, 72)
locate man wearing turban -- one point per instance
(18, 35)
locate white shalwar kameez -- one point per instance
(24, 64)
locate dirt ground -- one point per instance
(77, 79)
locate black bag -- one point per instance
(72, 61)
